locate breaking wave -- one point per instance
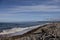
(17, 29)
(13, 30)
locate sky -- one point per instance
(29, 10)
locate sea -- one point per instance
(6, 26)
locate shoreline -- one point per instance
(22, 32)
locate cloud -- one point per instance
(56, 0)
(36, 5)
(6, 14)
(37, 8)
(20, 9)
(29, 2)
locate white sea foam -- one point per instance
(13, 30)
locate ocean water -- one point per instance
(4, 26)
(18, 26)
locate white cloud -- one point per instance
(6, 14)
(37, 8)
(43, 8)
(56, 0)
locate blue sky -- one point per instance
(29, 10)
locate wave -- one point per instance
(13, 30)
(16, 29)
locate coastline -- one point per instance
(21, 32)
